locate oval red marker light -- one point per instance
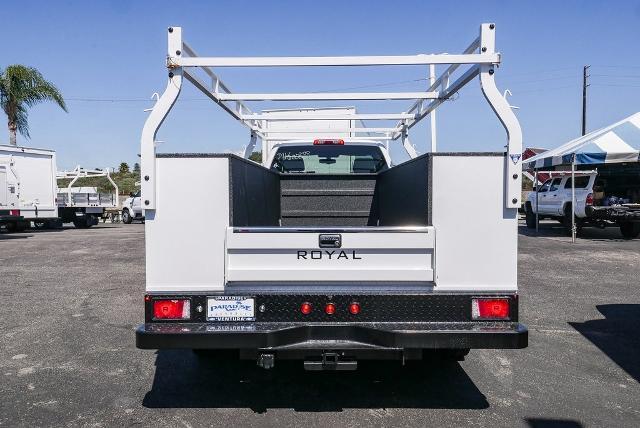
(330, 309)
(306, 308)
(354, 308)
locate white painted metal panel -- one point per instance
(477, 237)
(33, 171)
(183, 252)
(365, 256)
(4, 188)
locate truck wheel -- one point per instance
(126, 216)
(445, 355)
(630, 230)
(530, 217)
(41, 224)
(83, 222)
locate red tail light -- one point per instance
(490, 309)
(354, 308)
(330, 309)
(172, 309)
(306, 308)
(14, 212)
(589, 200)
(328, 142)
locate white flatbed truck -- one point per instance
(84, 206)
(326, 253)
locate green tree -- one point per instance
(136, 168)
(256, 157)
(21, 88)
(124, 168)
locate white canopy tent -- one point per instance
(619, 142)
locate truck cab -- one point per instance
(132, 208)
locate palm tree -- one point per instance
(23, 87)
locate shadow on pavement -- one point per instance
(556, 230)
(553, 423)
(9, 236)
(617, 335)
(184, 380)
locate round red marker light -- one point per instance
(306, 308)
(330, 309)
(354, 308)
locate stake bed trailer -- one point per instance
(329, 267)
(83, 206)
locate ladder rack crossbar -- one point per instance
(335, 61)
(479, 59)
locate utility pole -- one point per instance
(584, 98)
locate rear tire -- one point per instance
(442, 355)
(41, 224)
(126, 216)
(83, 222)
(530, 217)
(216, 354)
(630, 230)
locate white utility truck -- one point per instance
(83, 206)
(327, 252)
(31, 176)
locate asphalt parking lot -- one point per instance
(72, 298)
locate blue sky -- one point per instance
(107, 58)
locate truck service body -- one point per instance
(327, 251)
(31, 175)
(9, 212)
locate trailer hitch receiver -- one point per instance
(330, 361)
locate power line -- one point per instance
(401, 82)
(623, 76)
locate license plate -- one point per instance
(230, 308)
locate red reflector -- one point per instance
(172, 309)
(147, 298)
(354, 308)
(490, 308)
(306, 308)
(330, 309)
(589, 200)
(328, 142)
(14, 212)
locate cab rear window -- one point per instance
(329, 159)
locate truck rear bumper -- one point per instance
(290, 336)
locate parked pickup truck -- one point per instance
(596, 202)
(328, 252)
